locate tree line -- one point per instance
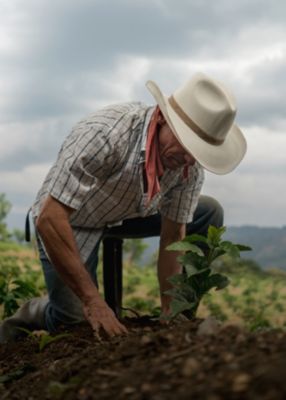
(6, 235)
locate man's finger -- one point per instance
(114, 327)
(97, 335)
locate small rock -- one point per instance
(227, 357)
(170, 337)
(146, 387)
(188, 337)
(210, 326)
(104, 385)
(240, 383)
(129, 390)
(84, 394)
(146, 340)
(191, 367)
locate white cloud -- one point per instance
(250, 199)
(255, 193)
(61, 59)
(24, 182)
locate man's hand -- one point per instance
(99, 315)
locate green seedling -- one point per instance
(16, 285)
(44, 339)
(197, 278)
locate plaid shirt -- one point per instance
(99, 173)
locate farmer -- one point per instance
(128, 169)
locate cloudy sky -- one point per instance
(62, 59)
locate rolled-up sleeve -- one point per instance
(179, 203)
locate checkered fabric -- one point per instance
(99, 173)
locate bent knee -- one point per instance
(214, 209)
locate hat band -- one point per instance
(191, 124)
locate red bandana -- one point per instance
(153, 165)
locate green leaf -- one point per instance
(202, 274)
(191, 271)
(47, 339)
(175, 293)
(185, 246)
(178, 306)
(230, 249)
(198, 282)
(27, 331)
(177, 279)
(215, 253)
(217, 281)
(197, 261)
(196, 238)
(242, 247)
(214, 235)
(183, 292)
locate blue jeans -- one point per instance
(64, 306)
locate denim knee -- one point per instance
(215, 211)
(208, 212)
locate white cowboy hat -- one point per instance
(201, 115)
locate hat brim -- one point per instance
(220, 159)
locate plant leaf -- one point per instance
(197, 261)
(230, 249)
(196, 238)
(242, 247)
(217, 281)
(185, 246)
(214, 235)
(178, 306)
(177, 279)
(47, 339)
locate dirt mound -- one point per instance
(152, 362)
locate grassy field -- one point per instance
(255, 298)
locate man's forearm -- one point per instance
(62, 250)
(167, 262)
(56, 232)
(167, 266)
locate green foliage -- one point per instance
(44, 339)
(198, 278)
(18, 282)
(5, 207)
(139, 304)
(133, 250)
(18, 235)
(140, 288)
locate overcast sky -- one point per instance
(62, 59)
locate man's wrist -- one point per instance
(92, 296)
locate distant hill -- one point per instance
(268, 244)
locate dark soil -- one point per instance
(152, 362)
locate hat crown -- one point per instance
(208, 104)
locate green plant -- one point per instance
(15, 285)
(44, 339)
(5, 207)
(197, 278)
